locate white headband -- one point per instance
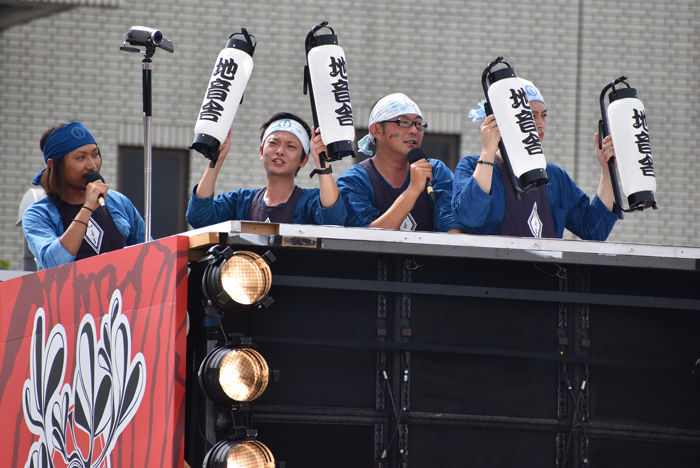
(533, 94)
(387, 108)
(289, 126)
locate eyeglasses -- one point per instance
(406, 123)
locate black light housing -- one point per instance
(242, 450)
(235, 281)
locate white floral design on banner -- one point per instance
(108, 387)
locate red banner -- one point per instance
(92, 361)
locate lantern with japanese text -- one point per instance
(326, 80)
(224, 94)
(626, 122)
(520, 145)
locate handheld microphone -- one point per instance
(416, 154)
(92, 178)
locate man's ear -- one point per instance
(49, 163)
(376, 129)
(304, 160)
(261, 152)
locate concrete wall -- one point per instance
(69, 66)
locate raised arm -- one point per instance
(326, 182)
(206, 185)
(490, 136)
(605, 190)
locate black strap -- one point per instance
(328, 170)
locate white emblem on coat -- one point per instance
(534, 222)
(268, 220)
(409, 224)
(94, 235)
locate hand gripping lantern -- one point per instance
(224, 94)
(626, 121)
(326, 80)
(507, 100)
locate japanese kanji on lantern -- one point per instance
(326, 81)
(224, 94)
(626, 122)
(520, 145)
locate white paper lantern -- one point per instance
(520, 145)
(330, 93)
(227, 84)
(518, 128)
(630, 135)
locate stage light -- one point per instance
(236, 281)
(229, 375)
(239, 451)
(520, 145)
(239, 454)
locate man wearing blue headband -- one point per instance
(71, 223)
(388, 192)
(284, 149)
(485, 203)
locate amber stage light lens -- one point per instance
(229, 375)
(245, 277)
(233, 453)
(243, 374)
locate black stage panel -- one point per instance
(488, 362)
(318, 445)
(609, 453)
(320, 376)
(459, 447)
(650, 393)
(483, 385)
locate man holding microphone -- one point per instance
(80, 217)
(389, 192)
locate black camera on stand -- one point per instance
(141, 36)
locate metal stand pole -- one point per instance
(140, 36)
(147, 144)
